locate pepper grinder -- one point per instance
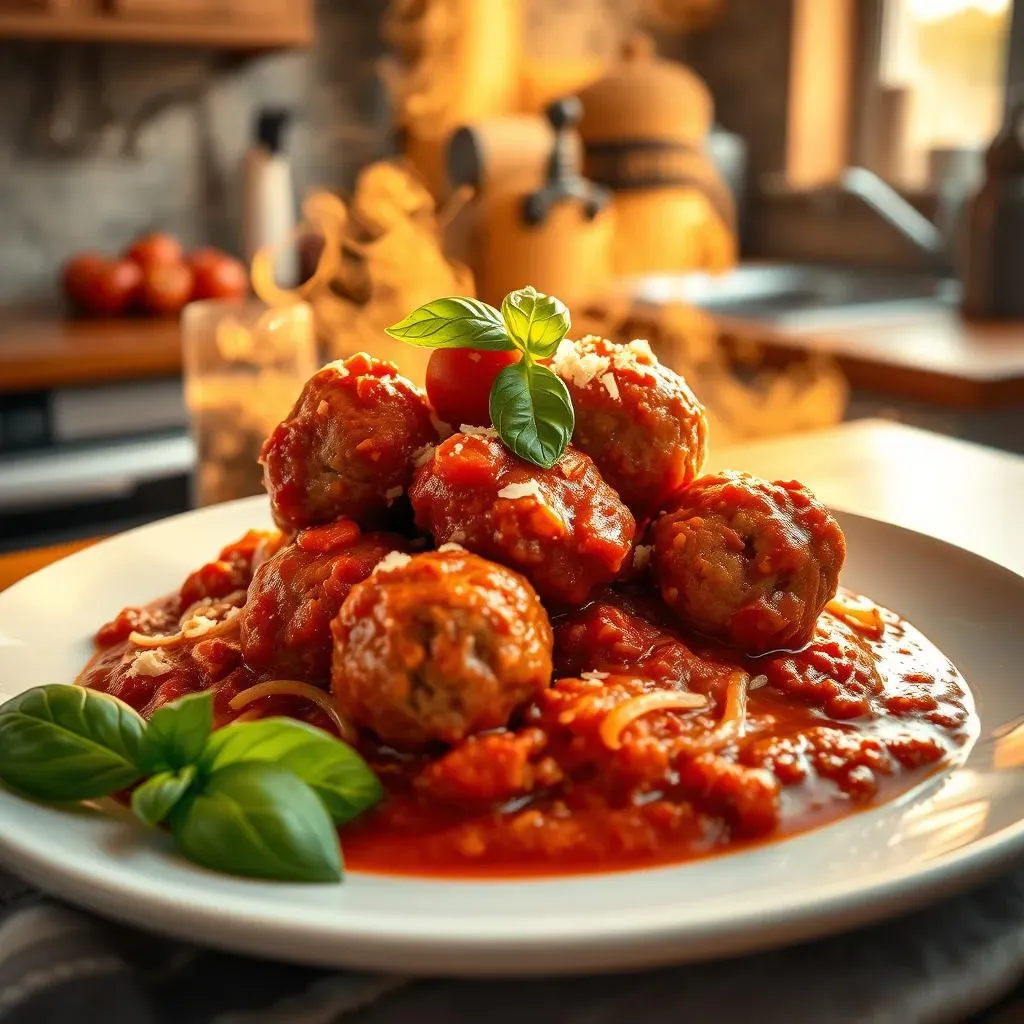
(994, 249)
(556, 237)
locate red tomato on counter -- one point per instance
(165, 289)
(217, 275)
(154, 250)
(459, 383)
(99, 285)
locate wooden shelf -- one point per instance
(247, 34)
(39, 352)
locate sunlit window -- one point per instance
(942, 71)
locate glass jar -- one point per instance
(245, 364)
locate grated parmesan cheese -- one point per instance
(451, 546)
(579, 368)
(323, 408)
(392, 493)
(197, 624)
(470, 431)
(529, 489)
(611, 385)
(757, 682)
(457, 537)
(594, 676)
(423, 455)
(392, 560)
(634, 355)
(151, 663)
(642, 555)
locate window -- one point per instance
(940, 84)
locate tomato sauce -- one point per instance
(616, 765)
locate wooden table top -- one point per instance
(961, 493)
(38, 352)
(925, 353)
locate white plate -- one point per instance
(941, 837)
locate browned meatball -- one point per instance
(750, 562)
(286, 621)
(437, 647)
(345, 448)
(638, 420)
(563, 528)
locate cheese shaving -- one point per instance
(423, 455)
(194, 627)
(393, 493)
(594, 676)
(611, 385)
(392, 560)
(577, 367)
(642, 556)
(304, 691)
(615, 723)
(323, 408)
(470, 431)
(151, 663)
(527, 489)
(733, 723)
(450, 546)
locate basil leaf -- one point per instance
(454, 323)
(536, 322)
(177, 732)
(339, 776)
(62, 743)
(156, 797)
(261, 821)
(532, 412)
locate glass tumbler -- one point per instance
(245, 364)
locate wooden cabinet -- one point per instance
(236, 24)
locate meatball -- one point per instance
(285, 626)
(437, 647)
(638, 420)
(345, 449)
(749, 562)
(563, 528)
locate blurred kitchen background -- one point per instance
(812, 208)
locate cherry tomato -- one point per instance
(217, 275)
(101, 286)
(154, 250)
(165, 289)
(459, 383)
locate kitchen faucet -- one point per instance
(893, 208)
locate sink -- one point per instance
(798, 295)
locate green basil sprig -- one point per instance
(530, 406)
(259, 799)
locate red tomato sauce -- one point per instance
(603, 772)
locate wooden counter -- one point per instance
(39, 352)
(926, 352)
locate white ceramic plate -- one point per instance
(941, 837)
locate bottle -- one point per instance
(269, 206)
(994, 250)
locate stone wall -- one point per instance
(193, 111)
